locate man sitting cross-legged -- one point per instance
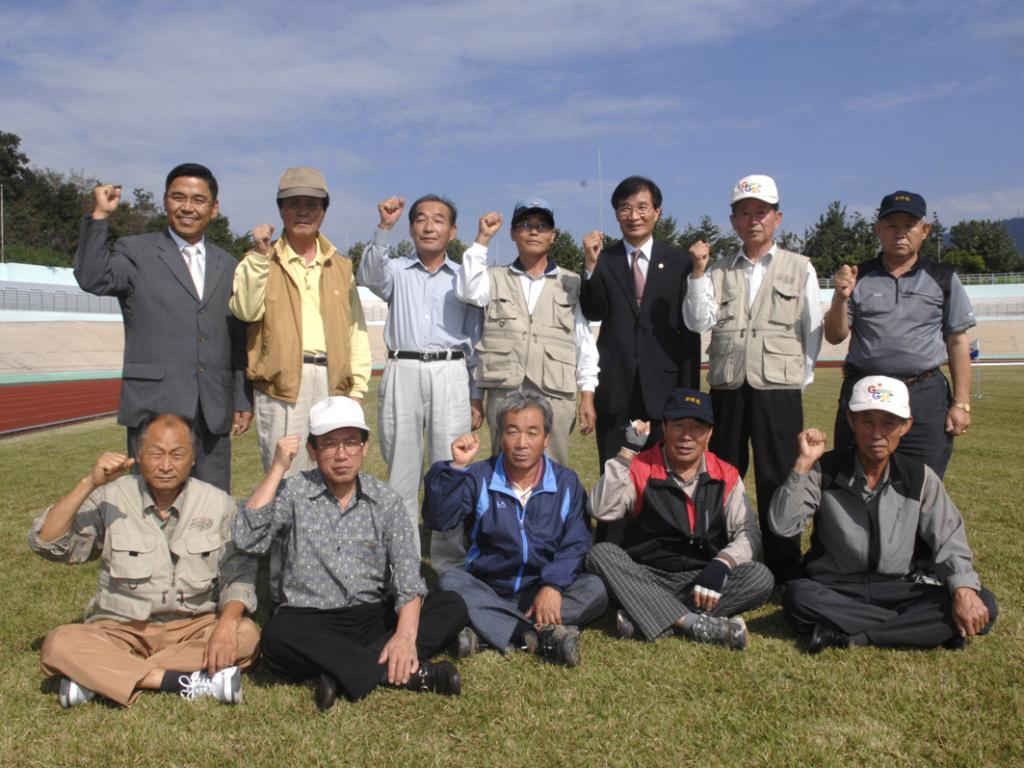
(527, 522)
(688, 557)
(173, 590)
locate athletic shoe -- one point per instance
(624, 626)
(225, 686)
(72, 694)
(558, 642)
(732, 633)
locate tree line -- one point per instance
(43, 211)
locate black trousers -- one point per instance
(300, 643)
(927, 439)
(892, 611)
(768, 422)
(610, 431)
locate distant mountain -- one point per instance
(1016, 227)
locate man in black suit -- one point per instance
(184, 352)
(635, 288)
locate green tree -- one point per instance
(722, 245)
(964, 261)
(931, 248)
(666, 230)
(837, 239)
(990, 240)
(355, 253)
(789, 241)
(403, 249)
(566, 253)
(455, 250)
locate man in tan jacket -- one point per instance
(169, 608)
(307, 335)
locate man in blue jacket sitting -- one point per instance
(526, 519)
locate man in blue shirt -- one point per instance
(527, 519)
(430, 336)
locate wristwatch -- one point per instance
(965, 407)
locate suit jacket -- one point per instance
(649, 341)
(181, 354)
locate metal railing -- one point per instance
(994, 278)
(36, 300)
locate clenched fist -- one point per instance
(700, 252)
(390, 211)
(844, 279)
(106, 198)
(261, 236)
(490, 223)
(592, 244)
(464, 449)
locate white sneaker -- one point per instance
(225, 686)
(72, 694)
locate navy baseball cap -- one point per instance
(533, 205)
(689, 404)
(903, 202)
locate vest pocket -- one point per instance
(565, 314)
(197, 569)
(559, 374)
(500, 308)
(132, 555)
(783, 360)
(721, 358)
(785, 303)
(495, 361)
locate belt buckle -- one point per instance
(425, 357)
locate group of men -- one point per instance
(680, 550)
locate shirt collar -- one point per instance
(413, 261)
(148, 502)
(550, 269)
(182, 243)
(645, 248)
(765, 259)
(499, 480)
(289, 254)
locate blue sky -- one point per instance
(489, 102)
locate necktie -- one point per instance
(638, 276)
(195, 267)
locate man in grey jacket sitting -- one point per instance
(889, 564)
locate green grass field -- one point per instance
(669, 703)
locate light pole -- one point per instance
(3, 246)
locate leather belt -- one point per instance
(431, 356)
(314, 359)
(850, 372)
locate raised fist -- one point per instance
(844, 279)
(261, 236)
(109, 467)
(285, 451)
(390, 211)
(464, 449)
(490, 223)
(700, 252)
(812, 445)
(106, 198)
(592, 244)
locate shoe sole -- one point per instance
(742, 646)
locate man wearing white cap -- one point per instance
(355, 611)
(764, 312)
(307, 335)
(889, 563)
(534, 337)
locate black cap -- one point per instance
(903, 202)
(689, 404)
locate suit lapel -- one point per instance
(623, 276)
(214, 270)
(175, 262)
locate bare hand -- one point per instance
(593, 242)
(546, 608)
(106, 198)
(586, 415)
(241, 422)
(490, 223)
(969, 612)
(812, 442)
(400, 656)
(390, 211)
(109, 467)
(464, 449)
(700, 252)
(222, 648)
(844, 279)
(476, 414)
(261, 237)
(957, 421)
(284, 454)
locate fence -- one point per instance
(995, 278)
(36, 300)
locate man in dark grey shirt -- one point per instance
(906, 315)
(356, 612)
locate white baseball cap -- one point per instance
(756, 186)
(881, 393)
(337, 412)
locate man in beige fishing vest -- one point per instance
(307, 335)
(763, 309)
(534, 338)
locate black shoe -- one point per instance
(326, 692)
(823, 637)
(624, 626)
(559, 643)
(436, 677)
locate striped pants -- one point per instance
(656, 599)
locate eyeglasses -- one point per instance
(197, 201)
(352, 446)
(628, 210)
(540, 226)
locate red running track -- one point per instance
(30, 406)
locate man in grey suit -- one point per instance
(184, 352)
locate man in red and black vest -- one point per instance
(689, 556)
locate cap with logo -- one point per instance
(336, 412)
(689, 404)
(533, 205)
(881, 393)
(903, 202)
(302, 182)
(758, 186)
